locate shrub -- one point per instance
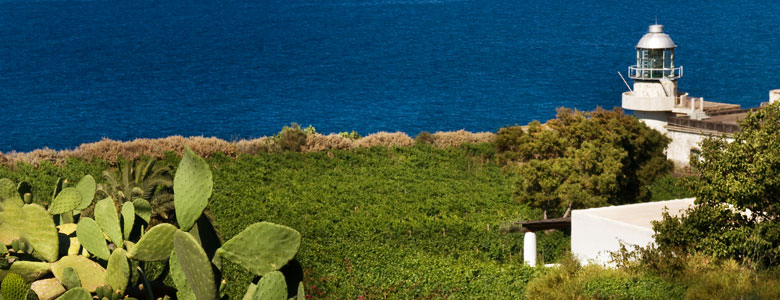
(460, 137)
(291, 138)
(425, 138)
(384, 139)
(318, 142)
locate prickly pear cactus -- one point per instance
(91, 274)
(24, 188)
(156, 244)
(195, 265)
(70, 279)
(128, 219)
(118, 270)
(13, 287)
(143, 209)
(40, 232)
(271, 287)
(8, 192)
(183, 289)
(192, 187)
(86, 187)
(91, 237)
(30, 270)
(66, 201)
(108, 220)
(76, 294)
(262, 247)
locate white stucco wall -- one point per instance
(679, 150)
(654, 119)
(597, 231)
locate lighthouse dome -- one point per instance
(655, 38)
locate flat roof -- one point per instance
(639, 214)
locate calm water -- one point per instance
(76, 71)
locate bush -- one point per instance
(291, 138)
(425, 138)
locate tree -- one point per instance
(584, 159)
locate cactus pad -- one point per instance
(76, 294)
(301, 293)
(24, 188)
(195, 265)
(13, 287)
(250, 291)
(67, 200)
(108, 220)
(262, 247)
(192, 187)
(128, 219)
(40, 232)
(91, 238)
(91, 274)
(8, 193)
(156, 244)
(183, 289)
(70, 279)
(143, 209)
(118, 270)
(86, 187)
(30, 270)
(48, 288)
(271, 287)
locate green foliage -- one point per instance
(425, 138)
(262, 247)
(291, 138)
(145, 179)
(192, 188)
(584, 159)
(670, 187)
(354, 135)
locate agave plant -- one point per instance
(144, 179)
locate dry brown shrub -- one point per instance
(457, 138)
(109, 150)
(34, 157)
(255, 146)
(385, 139)
(318, 142)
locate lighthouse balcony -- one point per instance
(643, 73)
(634, 101)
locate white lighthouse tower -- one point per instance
(654, 97)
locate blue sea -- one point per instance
(73, 72)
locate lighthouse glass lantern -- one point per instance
(655, 57)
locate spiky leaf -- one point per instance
(143, 209)
(118, 270)
(91, 274)
(108, 220)
(262, 247)
(91, 238)
(192, 187)
(86, 187)
(40, 232)
(183, 289)
(195, 265)
(67, 200)
(70, 279)
(13, 287)
(30, 270)
(271, 287)
(156, 244)
(128, 219)
(48, 288)
(76, 294)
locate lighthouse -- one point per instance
(654, 97)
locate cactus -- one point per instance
(24, 188)
(271, 287)
(91, 238)
(118, 270)
(91, 274)
(128, 219)
(183, 289)
(76, 294)
(143, 209)
(9, 193)
(13, 287)
(192, 187)
(106, 217)
(156, 244)
(29, 270)
(262, 247)
(27, 198)
(40, 232)
(70, 279)
(301, 293)
(66, 201)
(48, 288)
(195, 265)
(86, 187)
(11, 222)
(250, 291)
